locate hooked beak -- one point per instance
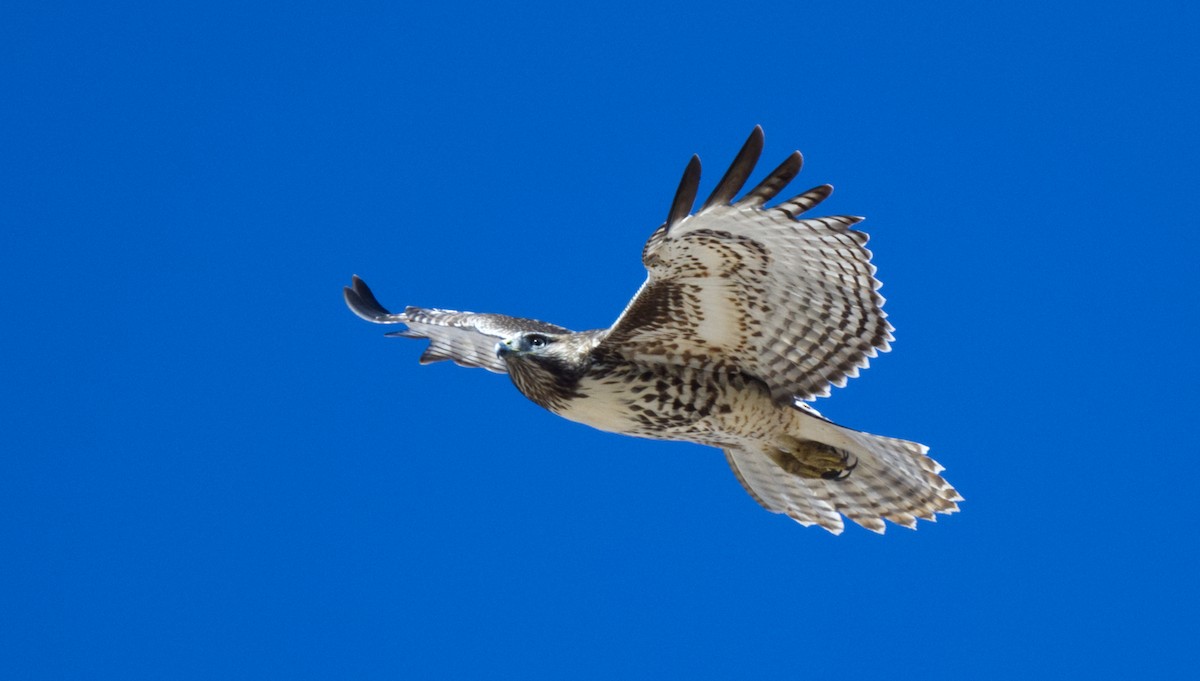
(505, 348)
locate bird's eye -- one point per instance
(536, 341)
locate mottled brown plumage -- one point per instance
(746, 312)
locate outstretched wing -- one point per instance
(467, 338)
(791, 301)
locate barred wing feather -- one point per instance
(791, 301)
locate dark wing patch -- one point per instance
(466, 338)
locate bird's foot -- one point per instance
(812, 459)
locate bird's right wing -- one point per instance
(467, 338)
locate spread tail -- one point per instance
(843, 472)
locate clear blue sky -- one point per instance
(209, 468)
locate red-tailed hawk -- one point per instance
(747, 312)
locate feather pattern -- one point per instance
(894, 480)
(792, 301)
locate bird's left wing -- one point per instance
(745, 287)
(467, 338)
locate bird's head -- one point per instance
(546, 367)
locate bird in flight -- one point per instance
(747, 313)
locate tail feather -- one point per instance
(768, 484)
(894, 480)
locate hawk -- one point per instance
(747, 312)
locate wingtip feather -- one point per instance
(775, 182)
(363, 303)
(685, 194)
(739, 171)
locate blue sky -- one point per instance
(209, 468)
